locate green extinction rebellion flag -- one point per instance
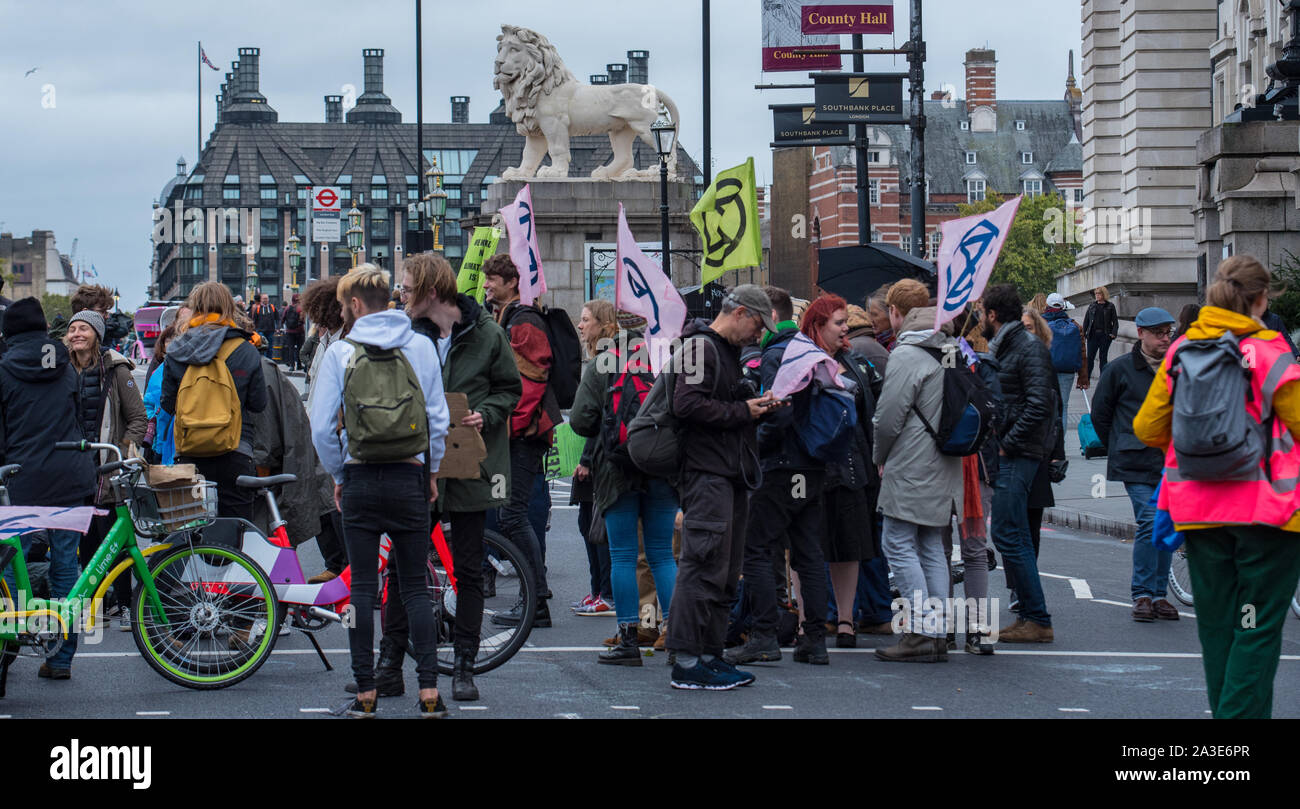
(727, 219)
(563, 457)
(481, 246)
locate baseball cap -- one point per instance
(1153, 316)
(1055, 301)
(754, 299)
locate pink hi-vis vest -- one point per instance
(1271, 497)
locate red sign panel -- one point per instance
(852, 19)
(327, 198)
(784, 58)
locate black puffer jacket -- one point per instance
(717, 433)
(1120, 394)
(1027, 378)
(858, 471)
(38, 408)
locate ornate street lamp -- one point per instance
(253, 289)
(435, 201)
(665, 134)
(295, 259)
(356, 236)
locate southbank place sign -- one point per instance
(859, 98)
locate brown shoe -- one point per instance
(915, 648)
(321, 578)
(885, 628)
(1027, 632)
(1164, 610)
(646, 637)
(663, 637)
(1142, 610)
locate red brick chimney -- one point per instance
(981, 79)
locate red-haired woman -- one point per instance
(853, 486)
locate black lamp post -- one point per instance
(665, 134)
(435, 202)
(295, 259)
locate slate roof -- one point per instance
(1048, 134)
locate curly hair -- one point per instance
(91, 296)
(321, 306)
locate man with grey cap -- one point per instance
(1120, 393)
(717, 413)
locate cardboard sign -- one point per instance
(465, 447)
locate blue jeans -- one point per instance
(1150, 566)
(1066, 383)
(656, 508)
(873, 592)
(64, 571)
(1011, 535)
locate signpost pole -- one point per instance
(311, 245)
(860, 139)
(916, 81)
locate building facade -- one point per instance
(34, 266)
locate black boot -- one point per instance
(543, 616)
(388, 671)
(627, 652)
(489, 580)
(811, 648)
(462, 679)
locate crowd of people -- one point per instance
(821, 484)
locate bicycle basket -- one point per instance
(158, 511)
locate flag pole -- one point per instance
(198, 135)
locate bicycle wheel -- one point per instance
(1180, 579)
(1295, 600)
(220, 617)
(512, 583)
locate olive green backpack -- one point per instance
(383, 406)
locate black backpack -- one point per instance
(292, 319)
(629, 386)
(566, 355)
(969, 412)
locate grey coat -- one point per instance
(282, 443)
(919, 484)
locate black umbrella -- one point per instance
(855, 272)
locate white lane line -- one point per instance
(926, 708)
(313, 710)
(153, 713)
(10, 716)
(625, 707)
(1081, 588)
(473, 707)
(1130, 606)
(1053, 575)
(1073, 710)
(567, 716)
(778, 707)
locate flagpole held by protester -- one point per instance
(968, 250)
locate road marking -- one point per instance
(473, 707)
(926, 708)
(1073, 710)
(10, 716)
(153, 713)
(1081, 589)
(1054, 575)
(313, 710)
(1130, 606)
(625, 707)
(778, 707)
(567, 716)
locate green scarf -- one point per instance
(782, 326)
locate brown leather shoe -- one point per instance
(1142, 610)
(321, 578)
(1164, 610)
(663, 637)
(644, 637)
(915, 648)
(885, 628)
(1027, 632)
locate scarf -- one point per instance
(801, 362)
(214, 319)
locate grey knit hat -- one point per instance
(95, 319)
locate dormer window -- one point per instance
(965, 126)
(1026, 157)
(970, 158)
(1020, 126)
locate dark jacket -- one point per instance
(858, 471)
(121, 419)
(1028, 380)
(38, 408)
(480, 365)
(537, 412)
(610, 481)
(779, 446)
(717, 434)
(1120, 394)
(265, 318)
(1101, 319)
(864, 342)
(197, 346)
(282, 444)
(987, 368)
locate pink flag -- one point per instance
(800, 364)
(21, 519)
(520, 224)
(642, 288)
(968, 249)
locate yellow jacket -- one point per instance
(1152, 425)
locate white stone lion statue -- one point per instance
(549, 105)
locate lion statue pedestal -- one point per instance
(549, 105)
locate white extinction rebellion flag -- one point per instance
(641, 288)
(520, 222)
(968, 249)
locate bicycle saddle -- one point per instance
(250, 482)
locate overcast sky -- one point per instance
(123, 76)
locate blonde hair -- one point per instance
(367, 282)
(430, 275)
(211, 298)
(906, 295)
(1105, 296)
(1038, 303)
(602, 311)
(1039, 328)
(1238, 283)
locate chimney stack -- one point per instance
(617, 73)
(334, 109)
(981, 79)
(373, 59)
(248, 67)
(460, 109)
(373, 107)
(599, 78)
(244, 103)
(638, 67)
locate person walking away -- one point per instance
(532, 424)
(1120, 394)
(110, 410)
(213, 384)
(921, 488)
(38, 407)
(266, 320)
(1069, 357)
(291, 322)
(1025, 437)
(478, 362)
(720, 467)
(1233, 500)
(383, 468)
(1100, 327)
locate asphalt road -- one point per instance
(1101, 665)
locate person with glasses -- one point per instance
(1120, 392)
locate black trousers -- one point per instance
(293, 346)
(1098, 346)
(788, 505)
(232, 501)
(467, 553)
(708, 572)
(525, 465)
(330, 540)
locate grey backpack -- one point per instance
(652, 441)
(1214, 437)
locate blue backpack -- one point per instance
(1066, 344)
(826, 426)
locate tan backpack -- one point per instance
(208, 415)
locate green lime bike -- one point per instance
(203, 616)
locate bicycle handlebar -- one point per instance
(113, 466)
(9, 470)
(86, 446)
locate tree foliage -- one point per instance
(56, 305)
(1029, 259)
(1286, 274)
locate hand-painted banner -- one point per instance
(640, 287)
(521, 228)
(481, 245)
(562, 458)
(968, 250)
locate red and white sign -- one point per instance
(850, 19)
(326, 214)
